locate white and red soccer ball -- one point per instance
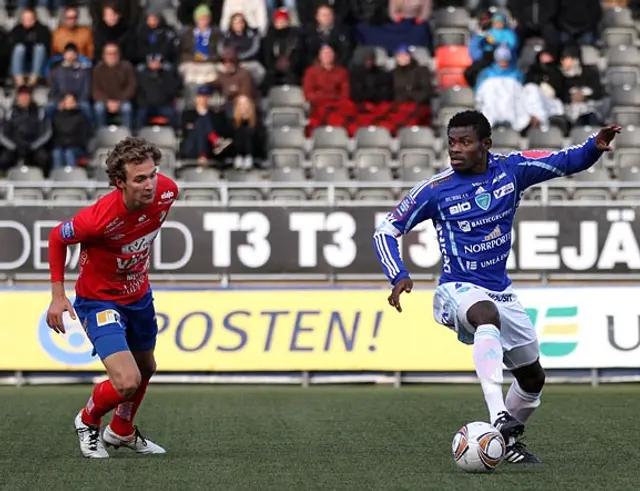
(478, 447)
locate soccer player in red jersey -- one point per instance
(114, 301)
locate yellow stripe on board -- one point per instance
(560, 329)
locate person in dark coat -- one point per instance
(282, 51)
(157, 90)
(369, 83)
(325, 31)
(30, 44)
(70, 77)
(71, 132)
(154, 36)
(411, 82)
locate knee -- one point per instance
(127, 383)
(531, 378)
(483, 312)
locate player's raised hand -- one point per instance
(59, 305)
(404, 285)
(606, 135)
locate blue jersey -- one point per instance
(473, 213)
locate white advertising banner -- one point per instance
(585, 327)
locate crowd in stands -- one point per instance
(205, 68)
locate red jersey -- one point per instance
(115, 245)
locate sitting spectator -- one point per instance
(158, 88)
(282, 52)
(308, 9)
(70, 32)
(287, 5)
(205, 131)
(254, 12)
(112, 28)
(501, 35)
(246, 41)
(198, 49)
(248, 133)
(71, 77)
(325, 80)
(480, 48)
(582, 92)
(186, 8)
(325, 31)
(25, 133)
(411, 81)
(233, 79)
(128, 12)
(536, 19)
(154, 36)
(501, 96)
(578, 21)
(418, 11)
(369, 83)
(71, 132)
(30, 44)
(114, 87)
(545, 74)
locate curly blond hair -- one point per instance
(131, 150)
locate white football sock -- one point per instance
(521, 404)
(487, 358)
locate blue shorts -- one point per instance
(113, 327)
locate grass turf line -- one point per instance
(321, 438)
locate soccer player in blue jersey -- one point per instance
(472, 205)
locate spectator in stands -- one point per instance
(25, 133)
(158, 88)
(44, 4)
(418, 11)
(289, 6)
(71, 77)
(411, 82)
(112, 28)
(154, 36)
(246, 41)
(248, 133)
(369, 83)
(114, 87)
(480, 47)
(370, 12)
(254, 13)
(536, 18)
(198, 49)
(128, 12)
(326, 31)
(282, 51)
(545, 74)
(501, 34)
(30, 43)
(205, 131)
(325, 80)
(308, 10)
(582, 92)
(186, 8)
(71, 133)
(501, 96)
(233, 79)
(578, 21)
(70, 32)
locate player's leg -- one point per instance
(477, 321)
(141, 337)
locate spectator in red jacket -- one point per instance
(324, 80)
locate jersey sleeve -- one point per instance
(84, 227)
(416, 207)
(535, 166)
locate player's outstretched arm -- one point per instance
(415, 208)
(81, 228)
(533, 167)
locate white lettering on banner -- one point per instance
(620, 246)
(541, 244)
(26, 244)
(583, 258)
(187, 253)
(255, 254)
(341, 253)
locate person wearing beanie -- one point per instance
(198, 49)
(282, 48)
(153, 35)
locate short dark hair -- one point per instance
(471, 118)
(131, 150)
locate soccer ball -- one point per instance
(478, 447)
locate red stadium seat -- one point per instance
(451, 62)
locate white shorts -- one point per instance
(452, 301)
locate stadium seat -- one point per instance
(285, 116)
(622, 56)
(286, 96)
(331, 175)
(505, 140)
(415, 174)
(249, 193)
(40, 96)
(596, 175)
(458, 97)
(452, 17)
(545, 139)
(28, 194)
(109, 136)
(580, 134)
(451, 37)
(629, 175)
(377, 158)
(24, 173)
(616, 17)
(163, 136)
(329, 158)
(417, 157)
(619, 36)
(420, 54)
(411, 137)
(69, 174)
(286, 137)
(200, 174)
(286, 157)
(330, 137)
(590, 55)
(293, 175)
(451, 62)
(373, 137)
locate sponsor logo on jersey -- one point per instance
(66, 230)
(502, 297)
(491, 241)
(140, 244)
(474, 184)
(446, 260)
(480, 190)
(114, 224)
(504, 190)
(437, 182)
(460, 208)
(404, 207)
(107, 317)
(499, 177)
(495, 234)
(142, 218)
(167, 195)
(456, 197)
(464, 225)
(483, 200)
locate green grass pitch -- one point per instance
(321, 438)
